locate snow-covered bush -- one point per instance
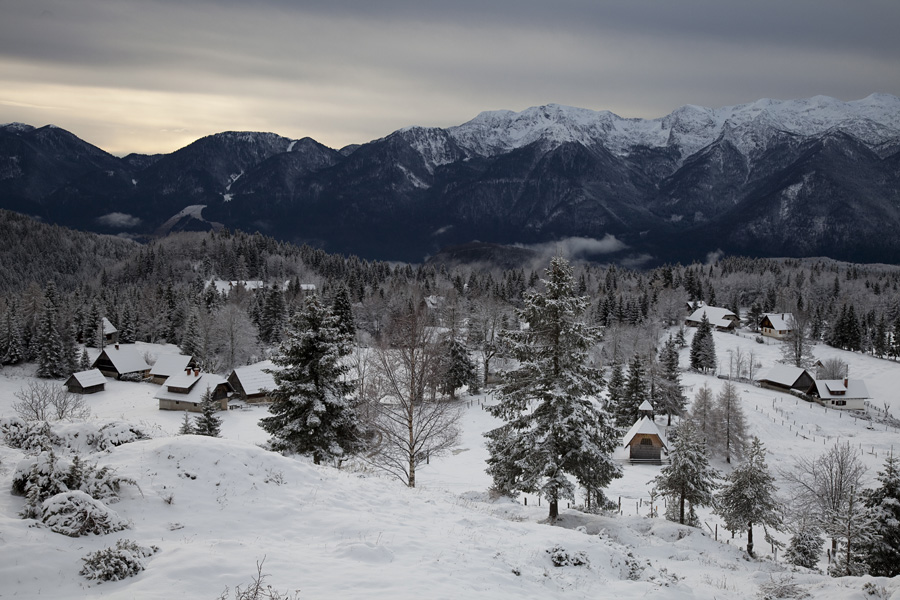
(781, 587)
(115, 434)
(805, 547)
(76, 514)
(125, 559)
(561, 558)
(45, 475)
(29, 436)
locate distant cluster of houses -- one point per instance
(182, 383)
(842, 394)
(774, 325)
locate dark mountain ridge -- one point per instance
(813, 177)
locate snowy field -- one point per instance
(216, 507)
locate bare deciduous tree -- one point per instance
(412, 425)
(832, 368)
(48, 401)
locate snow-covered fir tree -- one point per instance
(703, 348)
(52, 358)
(342, 307)
(688, 480)
(84, 362)
(854, 528)
(634, 393)
(883, 502)
(312, 411)
(732, 425)
(748, 496)
(806, 545)
(616, 387)
(187, 427)
(459, 370)
(207, 423)
(669, 396)
(554, 427)
(271, 316)
(12, 345)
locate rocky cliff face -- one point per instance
(805, 177)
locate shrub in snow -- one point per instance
(561, 558)
(115, 434)
(125, 559)
(259, 589)
(45, 475)
(781, 587)
(76, 514)
(805, 546)
(29, 436)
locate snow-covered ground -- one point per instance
(215, 507)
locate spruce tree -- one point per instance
(616, 388)
(12, 346)
(52, 358)
(311, 410)
(748, 496)
(459, 368)
(854, 528)
(704, 416)
(84, 362)
(207, 423)
(553, 427)
(883, 549)
(703, 349)
(191, 340)
(687, 480)
(806, 545)
(187, 427)
(670, 396)
(342, 308)
(635, 393)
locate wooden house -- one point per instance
(117, 362)
(645, 441)
(251, 383)
(720, 318)
(776, 325)
(185, 391)
(86, 382)
(786, 377)
(168, 365)
(110, 333)
(842, 394)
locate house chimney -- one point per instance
(845, 382)
(196, 372)
(187, 371)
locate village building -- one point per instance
(110, 333)
(185, 391)
(86, 382)
(252, 384)
(776, 325)
(645, 441)
(720, 318)
(785, 378)
(167, 365)
(841, 394)
(115, 361)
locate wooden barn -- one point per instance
(645, 441)
(86, 382)
(168, 365)
(786, 377)
(115, 361)
(185, 391)
(251, 383)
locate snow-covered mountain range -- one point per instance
(816, 176)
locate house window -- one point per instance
(841, 402)
(646, 442)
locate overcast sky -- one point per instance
(154, 75)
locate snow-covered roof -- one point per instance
(108, 327)
(125, 360)
(224, 286)
(196, 386)
(89, 378)
(834, 389)
(645, 406)
(717, 316)
(780, 321)
(170, 364)
(786, 375)
(644, 427)
(254, 380)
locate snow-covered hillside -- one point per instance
(215, 507)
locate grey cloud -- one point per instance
(578, 247)
(117, 220)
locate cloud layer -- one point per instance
(153, 75)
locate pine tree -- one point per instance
(732, 424)
(748, 496)
(342, 308)
(84, 362)
(687, 480)
(191, 340)
(187, 427)
(459, 368)
(805, 546)
(52, 358)
(854, 527)
(883, 550)
(635, 393)
(554, 428)
(311, 410)
(616, 388)
(704, 416)
(670, 396)
(271, 318)
(12, 346)
(207, 423)
(703, 349)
